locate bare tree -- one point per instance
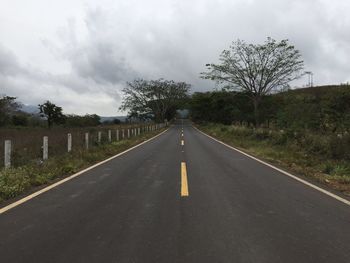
(257, 69)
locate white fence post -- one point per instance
(86, 140)
(45, 148)
(117, 135)
(109, 135)
(128, 133)
(99, 136)
(123, 134)
(139, 130)
(7, 157)
(69, 144)
(135, 133)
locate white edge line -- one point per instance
(343, 200)
(31, 196)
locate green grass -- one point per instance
(309, 155)
(19, 180)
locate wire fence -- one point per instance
(21, 146)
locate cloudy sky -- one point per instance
(80, 53)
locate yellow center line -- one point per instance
(184, 183)
(182, 142)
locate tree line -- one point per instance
(323, 109)
(49, 114)
(255, 80)
(144, 100)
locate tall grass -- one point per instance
(20, 179)
(325, 157)
(27, 142)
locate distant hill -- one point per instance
(30, 109)
(34, 110)
(319, 89)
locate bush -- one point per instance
(339, 147)
(261, 134)
(13, 182)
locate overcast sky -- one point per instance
(80, 53)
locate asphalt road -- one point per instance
(135, 208)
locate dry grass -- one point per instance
(320, 157)
(19, 180)
(27, 142)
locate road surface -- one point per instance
(178, 199)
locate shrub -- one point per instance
(13, 182)
(339, 147)
(261, 134)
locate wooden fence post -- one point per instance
(117, 135)
(7, 156)
(45, 148)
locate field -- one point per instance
(27, 142)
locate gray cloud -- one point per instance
(85, 58)
(8, 63)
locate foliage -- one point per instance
(305, 153)
(319, 109)
(257, 69)
(111, 122)
(221, 106)
(157, 99)
(88, 120)
(52, 113)
(16, 181)
(20, 119)
(8, 108)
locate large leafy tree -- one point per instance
(257, 69)
(9, 107)
(52, 113)
(155, 98)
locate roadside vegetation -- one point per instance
(147, 101)
(21, 179)
(303, 130)
(323, 157)
(156, 99)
